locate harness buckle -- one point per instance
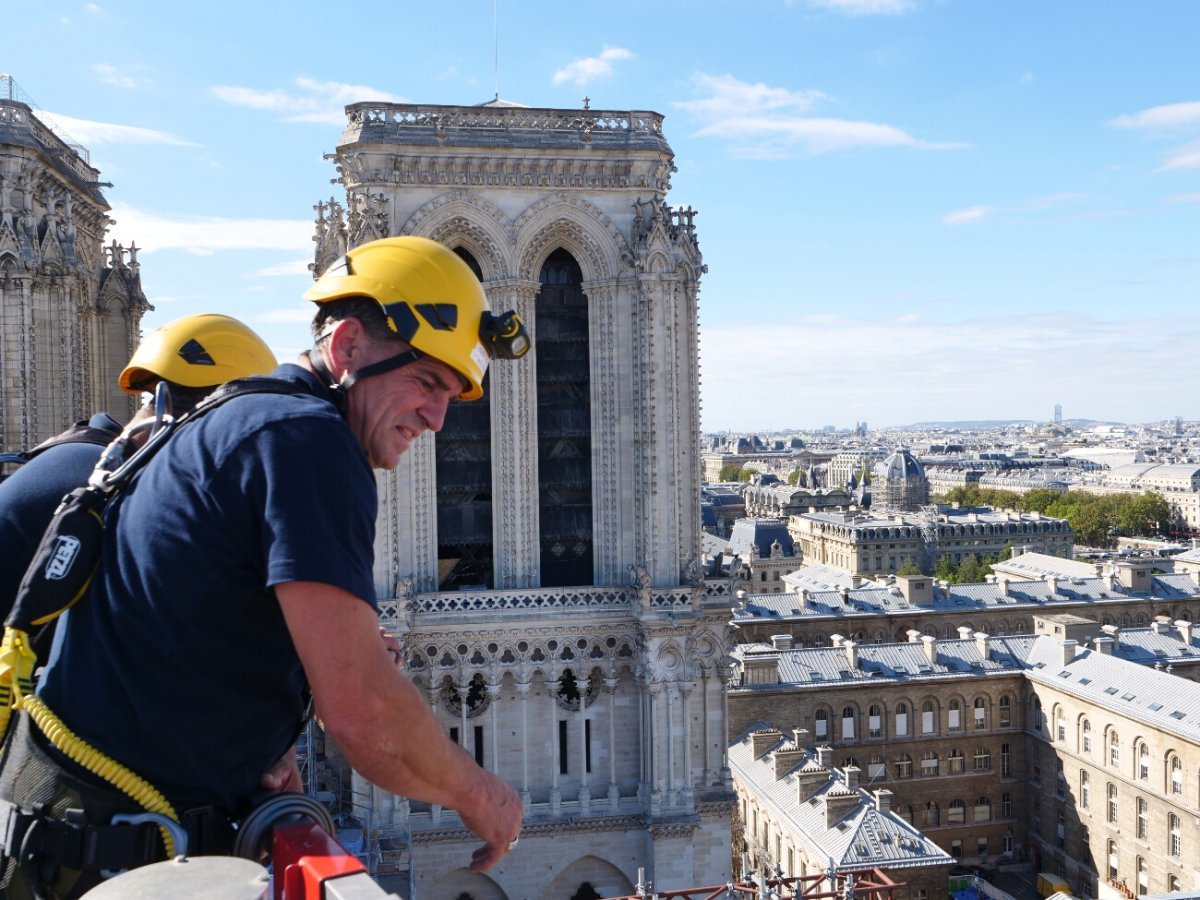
(178, 833)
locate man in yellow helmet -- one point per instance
(240, 572)
(193, 354)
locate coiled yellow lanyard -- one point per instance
(16, 692)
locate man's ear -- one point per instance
(346, 344)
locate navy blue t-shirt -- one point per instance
(178, 662)
(29, 497)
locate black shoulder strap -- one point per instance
(80, 433)
(65, 560)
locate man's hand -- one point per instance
(284, 776)
(394, 644)
(496, 819)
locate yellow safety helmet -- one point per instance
(197, 351)
(431, 300)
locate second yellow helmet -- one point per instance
(202, 350)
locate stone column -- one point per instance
(513, 387)
(555, 793)
(493, 690)
(585, 791)
(686, 795)
(523, 694)
(614, 790)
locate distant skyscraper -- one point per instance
(1057, 413)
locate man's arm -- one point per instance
(381, 721)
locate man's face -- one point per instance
(388, 412)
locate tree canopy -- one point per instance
(1097, 519)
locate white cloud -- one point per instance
(322, 102)
(293, 267)
(110, 74)
(1185, 157)
(865, 7)
(969, 214)
(588, 69)
(1183, 198)
(94, 8)
(1170, 115)
(204, 235)
(766, 121)
(1034, 204)
(94, 134)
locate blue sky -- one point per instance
(911, 210)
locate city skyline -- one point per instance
(911, 210)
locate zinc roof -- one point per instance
(864, 836)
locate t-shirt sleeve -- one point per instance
(319, 501)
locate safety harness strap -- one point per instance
(34, 838)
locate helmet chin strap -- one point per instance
(341, 389)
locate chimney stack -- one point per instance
(1185, 630)
(1114, 632)
(983, 643)
(851, 654)
(1105, 645)
(850, 773)
(930, 643)
(763, 740)
(883, 800)
(1068, 652)
(825, 756)
(782, 641)
(855, 582)
(913, 635)
(964, 632)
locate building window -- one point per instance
(1112, 803)
(958, 813)
(983, 847)
(1174, 844)
(1060, 724)
(1037, 714)
(1008, 845)
(1143, 877)
(1141, 818)
(980, 714)
(1113, 869)
(1060, 781)
(1087, 736)
(927, 717)
(1176, 766)
(848, 723)
(1085, 790)
(957, 762)
(1060, 831)
(954, 716)
(875, 768)
(1143, 761)
(1114, 749)
(956, 848)
(929, 763)
(983, 759)
(874, 722)
(904, 766)
(902, 720)
(931, 816)
(983, 809)
(822, 723)
(1006, 805)
(1005, 711)
(1005, 761)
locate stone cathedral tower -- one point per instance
(542, 550)
(70, 307)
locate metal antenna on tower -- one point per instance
(496, 46)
